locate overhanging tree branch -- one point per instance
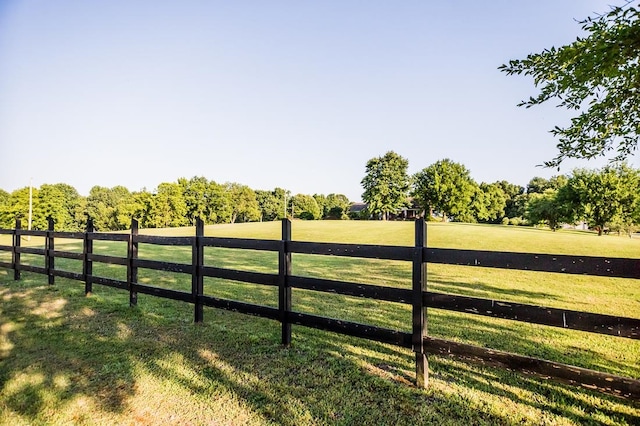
(599, 76)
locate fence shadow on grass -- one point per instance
(440, 282)
(54, 352)
(60, 348)
(388, 364)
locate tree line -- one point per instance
(604, 199)
(171, 204)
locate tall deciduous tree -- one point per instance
(547, 208)
(336, 207)
(140, 206)
(17, 207)
(516, 198)
(4, 206)
(306, 207)
(494, 202)
(196, 197)
(602, 196)
(597, 75)
(4, 197)
(244, 205)
(444, 186)
(321, 201)
(538, 185)
(630, 198)
(169, 207)
(59, 202)
(102, 205)
(272, 203)
(206, 200)
(386, 184)
(219, 209)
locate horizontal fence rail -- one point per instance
(419, 297)
(563, 318)
(586, 265)
(353, 250)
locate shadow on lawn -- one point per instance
(438, 282)
(57, 352)
(58, 346)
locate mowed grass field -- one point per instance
(66, 358)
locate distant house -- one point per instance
(579, 225)
(411, 212)
(358, 210)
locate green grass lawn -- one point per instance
(66, 358)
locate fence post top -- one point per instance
(286, 229)
(199, 227)
(420, 233)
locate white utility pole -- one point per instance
(30, 206)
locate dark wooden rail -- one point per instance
(418, 296)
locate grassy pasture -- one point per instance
(66, 358)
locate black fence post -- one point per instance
(49, 248)
(132, 268)
(15, 254)
(197, 280)
(284, 291)
(87, 264)
(419, 278)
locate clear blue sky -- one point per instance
(295, 94)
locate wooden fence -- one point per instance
(418, 296)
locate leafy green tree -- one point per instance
(545, 208)
(602, 196)
(336, 206)
(71, 196)
(445, 186)
(597, 75)
(50, 203)
(59, 202)
(206, 200)
(140, 206)
(219, 208)
(272, 203)
(321, 200)
(306, 207)
(4, 206)
(169, 207)
(333, 206)
(514, 206)
(629, 217)
(386, 184)
(102, 205)
(493, 202)
(195, 194)
(539, 185)
(477, 209)
(244, 205)
(4, 197)
(517, 207)
(17, 207)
